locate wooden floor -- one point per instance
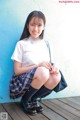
(54, 109)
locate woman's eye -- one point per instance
(40, 25)
(32, 24)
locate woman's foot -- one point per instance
(38, 107)
(28, 108)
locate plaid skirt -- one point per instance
(21, 83)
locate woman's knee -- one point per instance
(42, 74)
(53, 81)
(57, 78)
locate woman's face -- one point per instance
(36, 26)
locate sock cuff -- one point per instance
(32, 88)
(45, 88)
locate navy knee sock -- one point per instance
(42, 92)
(28, 94)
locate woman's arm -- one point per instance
(18, 69)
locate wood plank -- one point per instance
(3, 110)
(37, 116)
(54, 109)
(14, 112)
(51, 114)
(22, 115)
(70, 103)
(77, 97)
(66, 114)
(75, 100)
(66, 107)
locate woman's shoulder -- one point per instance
(22, 42)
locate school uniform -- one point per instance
(28, 52)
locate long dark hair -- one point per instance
(37, 14)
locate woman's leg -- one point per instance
(40, 78)
(48, 86)
(53, 81)
(45, 90)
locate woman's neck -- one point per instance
(34, 39)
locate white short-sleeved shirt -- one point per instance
(29, 51)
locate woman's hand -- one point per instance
(54, 70)
(45, 64)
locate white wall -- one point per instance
(63, 31)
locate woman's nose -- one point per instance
(35, 28)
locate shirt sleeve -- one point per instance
(17, 54)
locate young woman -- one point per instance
(35, 76)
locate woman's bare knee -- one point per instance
(42, 74)
(57, 78)
(53, 81)
(36, 83)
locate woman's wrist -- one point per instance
(35, 65)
